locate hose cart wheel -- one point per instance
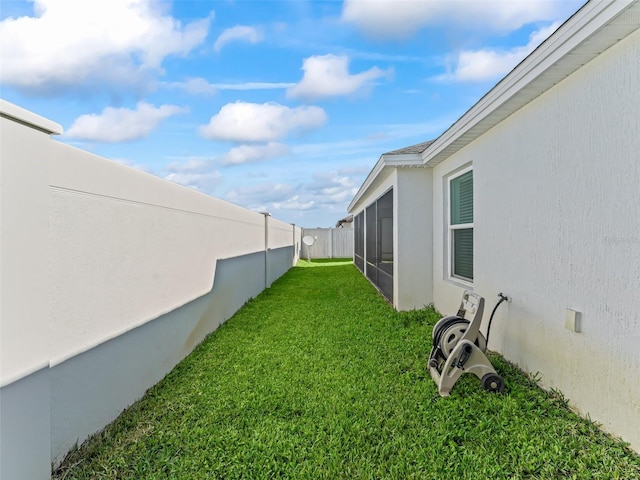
(492, 382)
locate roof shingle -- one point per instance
(418, 148)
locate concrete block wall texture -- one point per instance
(109, 277)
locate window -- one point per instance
(461, 226)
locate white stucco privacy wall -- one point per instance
(129, 247)
(109, 276)
(23, 228)
(24, 290)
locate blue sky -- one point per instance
(279, 106)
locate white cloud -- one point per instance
(192, 165)
(269, 197)
(237, 33)
(328, 76)
(325, 193)
(331, 188)
(486, 64)
(393, 19)
(293, 203)
(203, 182)
(196, 173)
(254, 122)
(199, 86)
(254, 153)
(129, 163)
(261, 196)
(115, 125)
(106, 42)
(253, 86)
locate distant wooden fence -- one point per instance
(330, 243)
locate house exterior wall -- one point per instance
(414, 244)
(556, 227)
(108, 278)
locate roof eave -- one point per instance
(536, 74)
(582, 35)
(384, 163)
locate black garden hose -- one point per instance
(502, 299)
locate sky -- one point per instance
(277, 106)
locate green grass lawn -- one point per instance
(319, 378)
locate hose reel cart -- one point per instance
(459, 347)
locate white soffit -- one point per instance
(597, 26)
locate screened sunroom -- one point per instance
(392, 219)
(374, 243)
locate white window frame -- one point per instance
(451, 228)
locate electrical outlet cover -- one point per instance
(572, 320)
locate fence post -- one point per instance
(293, 243)
(266, 248)
(331, 243)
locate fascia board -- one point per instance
(383, 164)
(373, 174)
(587, 21)
(30, 119)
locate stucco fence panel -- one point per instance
(109, 277)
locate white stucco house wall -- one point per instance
(534, 192)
